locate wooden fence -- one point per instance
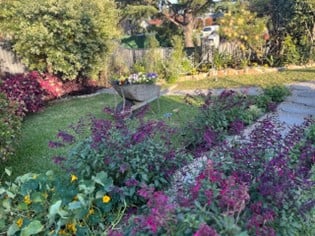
(9, 63)
(132, 56)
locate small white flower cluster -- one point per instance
(137, 78)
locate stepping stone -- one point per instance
(303, 86)
(296, 108)
(307, 94)
(300, 100)
(291, 118)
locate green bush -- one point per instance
(178, 63)
(10, 125)
(70, 38)
(277, 93)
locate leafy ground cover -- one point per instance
(261, 80)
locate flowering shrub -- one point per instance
(227, 114)
(25, 90)
(10, 125)
(219, 116)
(137, 78)
(133, 153)
(264, 186)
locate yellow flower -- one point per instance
(73, 178)
(91, 211)
(62, 232)
(106, 199)
(71, 227)
(19, 222)
(27, 199)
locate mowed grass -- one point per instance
(260, 80)
(33, 153)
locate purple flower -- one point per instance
(236, 127)
(65, 137)
(58, 160)
(53, 144)
(205, 230)
(209, 137)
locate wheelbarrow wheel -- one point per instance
(121, 109)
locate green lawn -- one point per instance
(261, 80)
(33, 153)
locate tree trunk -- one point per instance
(188, 27)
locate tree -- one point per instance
(67, 38)
(291, 26)
(181, 14)
(243, 27)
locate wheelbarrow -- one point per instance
(136, 95)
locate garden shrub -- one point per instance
(132, 152)
(70, 40)
(177, 64)
(52, 86)
(219, 116)
(25, 90)
(227, 114)
(245, 188)
(10, 125)
(277, 93)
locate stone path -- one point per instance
(299, 105)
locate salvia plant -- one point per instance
(134, 153)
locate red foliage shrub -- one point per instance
(52, 85)
(25, 90)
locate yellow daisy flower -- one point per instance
(73, 178)
(71, 227)
(106, 199)
(19, 222)
(27, 199)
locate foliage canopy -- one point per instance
(69, 38)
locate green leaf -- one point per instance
(74, 205)
(33, 228)
(87, 186)
(12, 229)
(102, 179)
(53, 209)
(8, 171)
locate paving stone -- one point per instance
(296, 108)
